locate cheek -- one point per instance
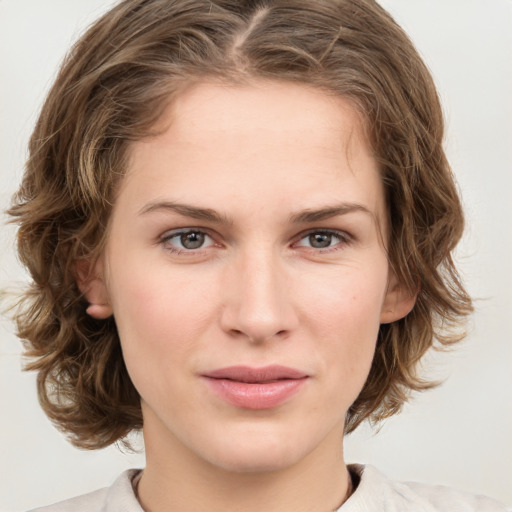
(349, 299)
(157, 312)
(344, 319)
(159, 324)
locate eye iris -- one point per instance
(320, 240)
(192, 240)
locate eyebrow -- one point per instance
(208, 214)
(187, 210)
(328, 212)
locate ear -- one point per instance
(398, 301)
(91, 282)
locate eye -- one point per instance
(324, 239)
(187, 240)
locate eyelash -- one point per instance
(178, 233)
(343, 237)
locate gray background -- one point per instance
(459, 434)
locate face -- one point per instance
(247, 274)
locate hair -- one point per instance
(111, 90)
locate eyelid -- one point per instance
(170, 234)
(345, 238)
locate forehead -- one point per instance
(275, 141)
(281, 109)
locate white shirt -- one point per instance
(375, 493)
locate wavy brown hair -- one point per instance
(111, 90)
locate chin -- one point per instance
(255, 463)
(257, 454)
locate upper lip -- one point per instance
(254, 375)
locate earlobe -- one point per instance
(91, 283)
(398, 302)
(99, 311)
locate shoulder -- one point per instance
(92, 502)
(376, 492)
(117, 498)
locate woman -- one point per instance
(239, 220)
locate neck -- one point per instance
(177, 479)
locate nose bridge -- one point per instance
(258, 304)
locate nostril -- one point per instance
(239, 334)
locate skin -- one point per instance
(257, 292)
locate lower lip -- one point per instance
(259, 395)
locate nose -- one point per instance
(257, 303)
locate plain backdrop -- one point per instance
(459, 434)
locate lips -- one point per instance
(256, 388)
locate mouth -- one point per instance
(256, 388)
